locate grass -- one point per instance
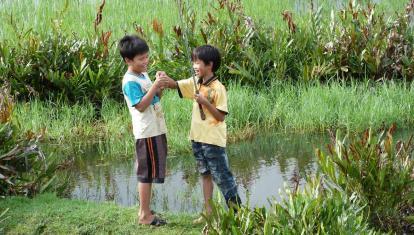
(51, 215)
(283, 108)
(119, 16)
(353, 107)
(379, 170)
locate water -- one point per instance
(262, 167)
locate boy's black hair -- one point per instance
(132, 45)
(207, 54)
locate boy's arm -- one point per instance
(185, 87)
(217, 114)
(171, 83)
(147, 99)
(159, 93)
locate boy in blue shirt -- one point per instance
(143, 99)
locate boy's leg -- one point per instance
(207, 181)
(218, 164)
(145, 216)
(208, 187)
(150, 165)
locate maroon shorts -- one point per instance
(151, 156)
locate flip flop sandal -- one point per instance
(158, 221)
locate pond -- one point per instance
(262, 167)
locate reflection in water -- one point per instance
(261, 167)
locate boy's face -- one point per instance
(139, 64)
(201, 69)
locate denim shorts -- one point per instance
(212, 160)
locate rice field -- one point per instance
(77, 16)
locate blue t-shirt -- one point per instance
(134, 92)
(149, 122)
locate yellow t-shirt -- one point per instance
(209, 131)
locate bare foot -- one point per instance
(156, 221)
(146, 219)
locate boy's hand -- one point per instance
(201, 99)
(160, 74)
(169, 82)
(160, 83)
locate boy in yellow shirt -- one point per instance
(208, 136)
